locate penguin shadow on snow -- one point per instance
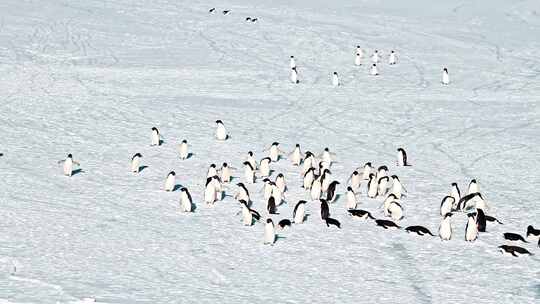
(77, 171)
(141, 168)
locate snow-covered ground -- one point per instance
(92, 77)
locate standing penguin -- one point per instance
(269, 232)
(136, 163)
(247, 216)
(183, 149)
(445, 229)
(267, 188)
(251, 159)
(316, 189)
(471, 230)
(382, 188)
(445, 77)
(375, 57)
(212, 171)
(156, 137)
(275, 152)
(226, 174)
(327, 157)
(292, 62)
(326, 179)
(309, 177)
(325, 210)
(186, 202)
(351, 199)
(335, 79)
(447, 204)
(359, 51)
(392, 59)
(210, 192)
(331, 192)
(296, 156)
(264, 167)
(358, 59)
(221, 132)
(308, 162)
(355, 180)
(170, 182)
(280, 182)
(386, 203)
(249, 173)
(294, 76)
(299, 212)
(372, 186)
(374, 71)
(402, 158)
(68, 165)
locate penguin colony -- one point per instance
(321, 190)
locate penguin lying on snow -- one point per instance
(359, 213)
(514, 250)
(419, 230)
(331, 221)
(212, 10)
(225, 12)
(386, 224)
(514, 237)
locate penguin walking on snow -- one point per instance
(264, 167)
(156, 137)
(136, 163)
(275, 152)
(183, 149)
(445, 77)
(335, 80)
(355, 180)
(212, 171)
(68, 165)
(296, 156)
(299, 212)
(473, 187)
(392, 59)
(331, 194)
(221, 132)
(170, 182)
(294, 76)
(186, 203)
(226, 173)
(445, 229)
(309, 177)
(374, 71)
(402, 158)
(351, 199)
(269, 232)
(248, 215)
(210, 191)
(249, 173)
(471, 230)
(242, 194)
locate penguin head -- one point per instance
(275, 143)
(137, 155)
(445, 70)
(248, 18)
(355, 173)
(530, 230)
(376, 51)
(392, 52)
(224, 165)
(297, 145)
(212, 165)
(368, 164)
(302, 202)
(250, 153)
(326, 149)
(454, 185)
(184, 141)
(469, 215)
(154, 129)
(357, 46)
(240, 185)
(269, 221)
(357, 54)
(294, 69)
(292, 56)
(349, 189)
(395, 177)
(473, 181)
(400, 149)
(219, 121)
(172, 173)
(243, 202)
(371, 175)
(383, 167)
(183, 190)
(280, 175)
(70, 156)
(335, 73)
(266, 180)
(392, 196)
(374, 65)
(308, 153)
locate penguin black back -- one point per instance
(331, 221)
(325, 210)
(420, 230)
(386, 224)
(284, 223)
(271, 205)
(514, 237)
(480, 220)
(360, 213)
(532, 231)
(514, 250)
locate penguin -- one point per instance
(375, 57)
(392, 59)
(292, 62)
(531, 231)
(267, 188)
(271, 205)
(382, 188)
(68, 165)
(456, 194)
(170, 182)
(445, 229)
(514, 237)
(358, 59)
(330, 221)
(480, 220)
(335, 80)
(296, 156)
(136, 163)
(367, 171)
(326, 178)
(386, 224)
(445, 77)
(355, 180)
(309, 177)
(212, 10)
(264, 167)
(254, 20)
(242, 194)
(226, 174)
(280, 182)
(446, 205)
(316, 190)
(492, 219)
(248, 18)
(325, 210)
(186, 202)
(309, 159)
(277, 194)
(225, 12)
(421, 231)
(221, 132)
(275, 153)
(247, 214)
(359, 213)
(402, 158)
(183, 149)
(156, 137)
(514, 250)
(284, 223)
(473, 200)
(212, 171)
(397, 187)
(374, 71)
(372, 186)
(1, 154)
(251, 160)
(351, 199)
(299, 212)
(269, 232)
(471, 230)
(327, 156)
(331, 192)
(209, 192)
(218, 187)
(249, 173)
(294, 76)
(473, 187)
(395, 210)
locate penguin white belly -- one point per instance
(445, 79)
(269, 234)
(221, 133)
(308, 181)
(397, 189)
(316, 190)
(308, 164)
(351, 200)
(446, 206)
(471, 232)
(135, 165)
(226, 175)
(68, 167)
(356, 182)
(264, 168)
(445, 230)
(274, 154)
(396, 212)
(249, 175)
(296, 158)
(299, 215)
(267, 191)
(209, 195)
(169, 183)
(358, 60)
(325, 184)
(372, 189)
(155, 139)
(186, 204)
(247, 218)
(183, 151)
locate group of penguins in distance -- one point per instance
(318, 182)
(358, 60)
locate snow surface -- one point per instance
(92, 77)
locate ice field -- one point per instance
(92, 78)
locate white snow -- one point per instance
(92, 78)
